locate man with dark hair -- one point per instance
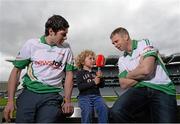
(48, 60)
(143, 73)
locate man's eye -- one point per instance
(64, 34)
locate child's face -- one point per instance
(89, 61)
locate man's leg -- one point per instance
(129, 104)
(26, 107)
(49, 109)
(48, 113)
(163, 107)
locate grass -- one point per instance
(106, 98)
(3, 101)
(178, 96)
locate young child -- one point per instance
(88, 83)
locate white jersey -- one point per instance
(46, 65)
(159, 80)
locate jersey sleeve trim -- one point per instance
(123, 74)
(150, 53)
(21, 63)
(70, 67)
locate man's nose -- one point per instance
(116, 45)
(65, 38)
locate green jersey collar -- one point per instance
(134, 46)
(43, 40)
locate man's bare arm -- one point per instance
(13, 82)
(68, 86)
(12, 86)
(126, 83)
(144, 69)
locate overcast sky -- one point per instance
(91, 22)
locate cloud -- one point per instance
(5, 66)
(91, 22)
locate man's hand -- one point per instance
(12, 85)
(68, 108)
(126, 83)
(8, 111)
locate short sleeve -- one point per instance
(122, 70)
(23, 57)
(147, 49)
(70, 66)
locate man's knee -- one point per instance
(120, 115)
(114, 114)
(22, 117)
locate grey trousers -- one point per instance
(35, 107)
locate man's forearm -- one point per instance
(68, 87)
(125, 82)
(144, 69)
(13, 83)
(137, 74)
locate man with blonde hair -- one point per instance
(143, 74)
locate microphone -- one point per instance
(100, 61)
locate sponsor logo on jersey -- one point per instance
(53, 64)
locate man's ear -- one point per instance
(126, 37)
(51, 31)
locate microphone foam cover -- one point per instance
(100, 60)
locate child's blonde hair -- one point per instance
(82, 56)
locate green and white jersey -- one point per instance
(159, 80)
(46, 65)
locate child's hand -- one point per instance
(98, 77)
(99, 73)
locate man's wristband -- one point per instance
(99, 76)
(66, 100)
